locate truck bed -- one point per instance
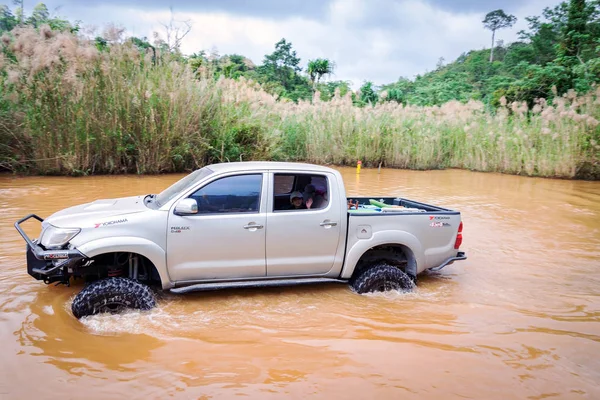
(404, 206)
(429, 231)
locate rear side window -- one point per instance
(233, 194)
(283, 184)
(312, 189)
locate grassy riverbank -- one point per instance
(68, 108)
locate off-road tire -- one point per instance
(381, 277)
(112, 295)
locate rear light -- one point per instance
(458, 236)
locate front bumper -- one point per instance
(47, 265)
(461, 255)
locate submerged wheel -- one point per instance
(112, 295)
(381, 278)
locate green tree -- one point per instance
(234, 66)
(328, 89)
(578, 44)
(538, 81)
(39, 16)
(543, 36)
(368, 95)
(395, 94)
(19, 15)
(279, 73)
(143, 45)
(7, 19)
(318, 68)
(196, 61)
(518, 52)
(401, 91)
(495, 20)
(101, 43)
(282, 64)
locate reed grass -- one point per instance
(68, 108)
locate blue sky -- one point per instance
(376, 40)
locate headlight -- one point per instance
(54, 238)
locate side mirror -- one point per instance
(186, 207)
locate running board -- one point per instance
(201, 287)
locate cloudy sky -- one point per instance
(377, 40)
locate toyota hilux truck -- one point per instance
(236, 225)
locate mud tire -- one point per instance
(112, 295)
(381, 278)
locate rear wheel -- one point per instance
(381, 277)
(112, 295)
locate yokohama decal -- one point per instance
(118, 221)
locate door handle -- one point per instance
(328, 223)
(253, 226)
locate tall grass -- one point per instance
(67, 108)
(83, 111)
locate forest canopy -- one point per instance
(560, 50)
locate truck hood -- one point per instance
(96, 212)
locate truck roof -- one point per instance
(268, 165)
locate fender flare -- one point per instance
(381, 238)
(129, 244)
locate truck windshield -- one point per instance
(166, 195)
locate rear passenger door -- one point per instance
(301, 241)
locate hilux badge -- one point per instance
(179, 229)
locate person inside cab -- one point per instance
(317, 198)
(297, 202)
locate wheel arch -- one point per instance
(400, 244)
(394, 254)
(134, 245)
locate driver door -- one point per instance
(226, 238)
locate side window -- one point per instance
(233, 194)
(283, 184)
(300, 192)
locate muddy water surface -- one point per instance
(519, 319)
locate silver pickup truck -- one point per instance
(250, 224)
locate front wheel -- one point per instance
(381, 278)
(112, 295)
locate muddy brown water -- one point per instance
(519, 319)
